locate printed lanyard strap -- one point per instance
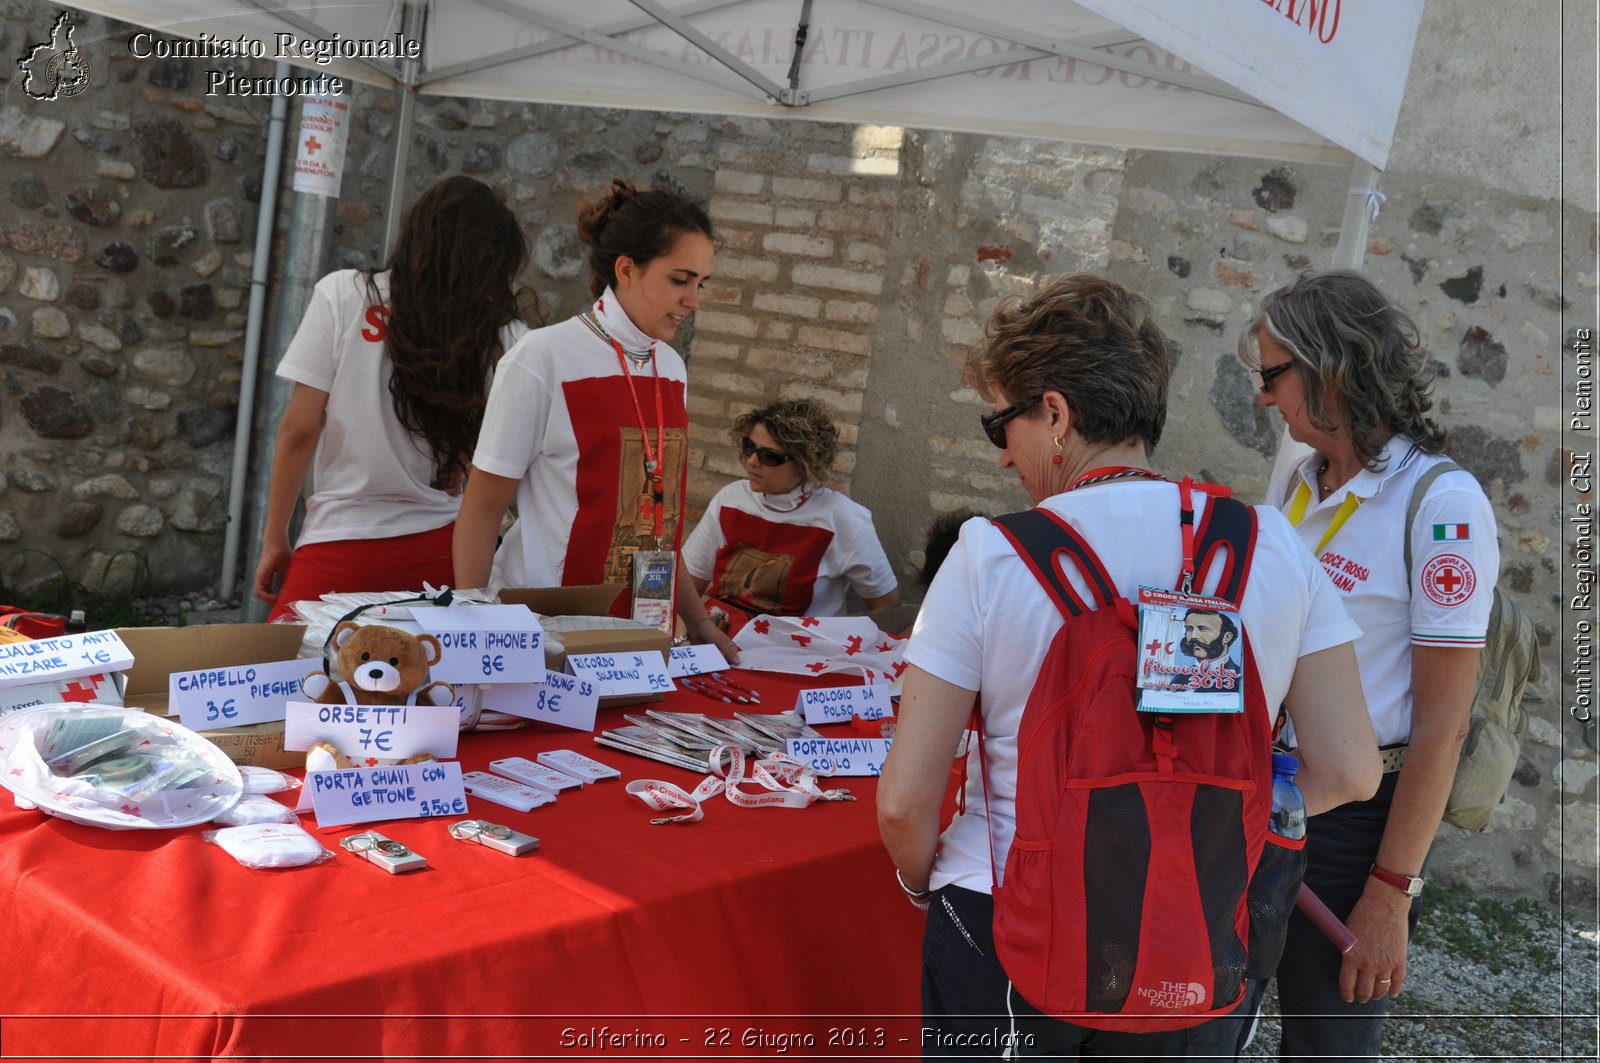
(1302, 500)
(653, 457)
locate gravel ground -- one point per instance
(1487, 980)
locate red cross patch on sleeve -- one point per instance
(1448, 580)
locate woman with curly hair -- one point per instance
(780, 542)
(391, 371)
(586, 428)
(1347, 370)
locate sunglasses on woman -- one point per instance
(765, 455)
(1265, 377)
(994, 424)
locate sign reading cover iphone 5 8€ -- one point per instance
(485, 643)
(232, 697)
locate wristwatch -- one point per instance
(1410, 885)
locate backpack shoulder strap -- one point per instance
(1232, 524)
(1419, 491)
(1039, 537)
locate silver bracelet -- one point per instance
(916, 895)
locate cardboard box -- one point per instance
(592, 600)
(160, 651)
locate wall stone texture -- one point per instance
(856, 267)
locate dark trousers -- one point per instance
(971, 1012)
(1341, 846)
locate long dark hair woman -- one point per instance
(391, 373)
(586, 428)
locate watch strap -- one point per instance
(1410, 885)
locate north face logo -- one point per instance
(1175, 995)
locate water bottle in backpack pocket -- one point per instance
(1277, 877)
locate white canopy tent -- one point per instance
(1298, 80)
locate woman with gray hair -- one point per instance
(779, 541)
(1077, 376)
(1347, 370)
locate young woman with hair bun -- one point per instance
(391, 372)
(586, 428)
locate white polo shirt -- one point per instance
(1455, 562)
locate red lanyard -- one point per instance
(1185, 505)
(653, 456)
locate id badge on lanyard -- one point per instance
(1191, 653)
(655, 575)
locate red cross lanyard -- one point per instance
(652, 456)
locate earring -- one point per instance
(1057, 459)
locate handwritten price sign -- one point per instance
(564, 700)
(399, 791)
(231, 697)
(389, 732)
(486, 643)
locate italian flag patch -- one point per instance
(1451, 533)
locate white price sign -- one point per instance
(564, 700)
(615, 674)
(485, 643)
(842, 704)
(232, 697)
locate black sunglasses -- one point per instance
(765, 455)
(994, 424)
(1265, 377)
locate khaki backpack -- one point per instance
(1494, 738)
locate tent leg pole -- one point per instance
(266, 222)
(1357, 220)
(414, 26)
(308, 250)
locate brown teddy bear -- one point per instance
(381, 666)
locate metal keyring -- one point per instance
(474, 829)
(358, 843)
(392, 848)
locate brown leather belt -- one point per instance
(1392, 757)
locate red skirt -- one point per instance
(401, 563)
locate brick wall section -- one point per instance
(796, 286)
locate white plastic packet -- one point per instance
(259, 780)
(269, 845)
(256, 808)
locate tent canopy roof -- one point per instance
(1288, 79)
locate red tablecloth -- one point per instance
(725, 937)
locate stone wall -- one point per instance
(125, 233)
(856, 267)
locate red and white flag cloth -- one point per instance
(819, 645)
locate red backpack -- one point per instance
(1124, 905)
(33, 625)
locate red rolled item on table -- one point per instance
(1320, 914)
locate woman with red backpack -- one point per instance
(1162, 836)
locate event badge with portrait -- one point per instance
(1191, 653)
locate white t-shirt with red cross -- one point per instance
(1455, 562)
(793, 554)
(568, 423)
(986, 625)
(371, 478)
